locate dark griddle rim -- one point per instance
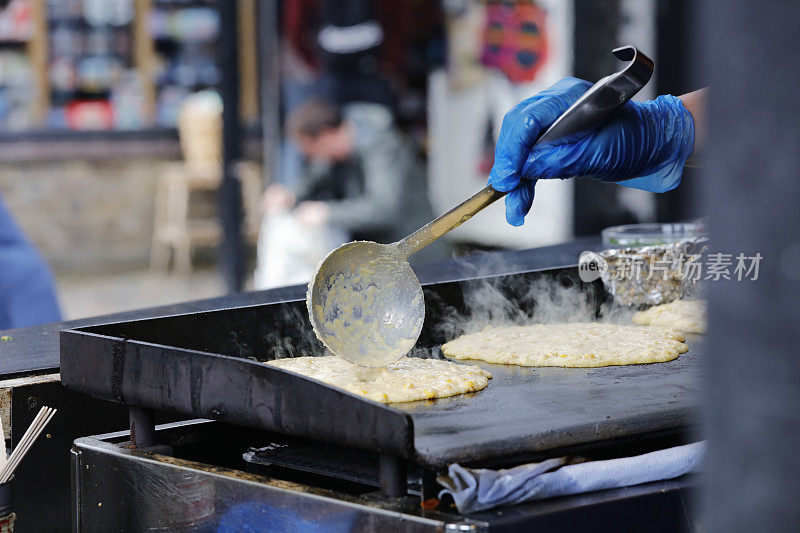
(191, 382)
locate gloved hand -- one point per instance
(644, 146)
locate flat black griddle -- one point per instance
(205, 365)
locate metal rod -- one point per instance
(268, 37)
(393, 476)
(231, 254)
(448, 221)
(143, 426)
(430, 489)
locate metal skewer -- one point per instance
(24, 445)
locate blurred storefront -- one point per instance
(90, 93)
(91, 90)
(119, 65)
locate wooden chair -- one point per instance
(175, 231)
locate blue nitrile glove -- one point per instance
(644, 146)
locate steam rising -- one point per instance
(522, 299)
(489, 299)
(291, 335)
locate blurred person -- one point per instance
(27, 290)
(644, 146)
(362, 181)
(356, 47)
(341, 50)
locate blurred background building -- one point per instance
(94, 93)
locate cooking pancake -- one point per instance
(577, 344)
(407, 380)
(688, 316)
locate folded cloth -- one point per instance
(479, 489)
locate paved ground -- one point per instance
(82, 297)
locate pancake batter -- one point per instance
(578, 344)
(688, 316)
(407, 380)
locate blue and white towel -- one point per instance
(479, 489)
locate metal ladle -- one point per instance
(365, 302)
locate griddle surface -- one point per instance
(200, 364)
(526, 410)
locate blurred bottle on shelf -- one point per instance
(128, 102)
(16, 22)
(185, 37)
(16, 98)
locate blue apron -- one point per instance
(27, 290)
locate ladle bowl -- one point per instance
(366, 304)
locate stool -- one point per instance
(176, 232)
